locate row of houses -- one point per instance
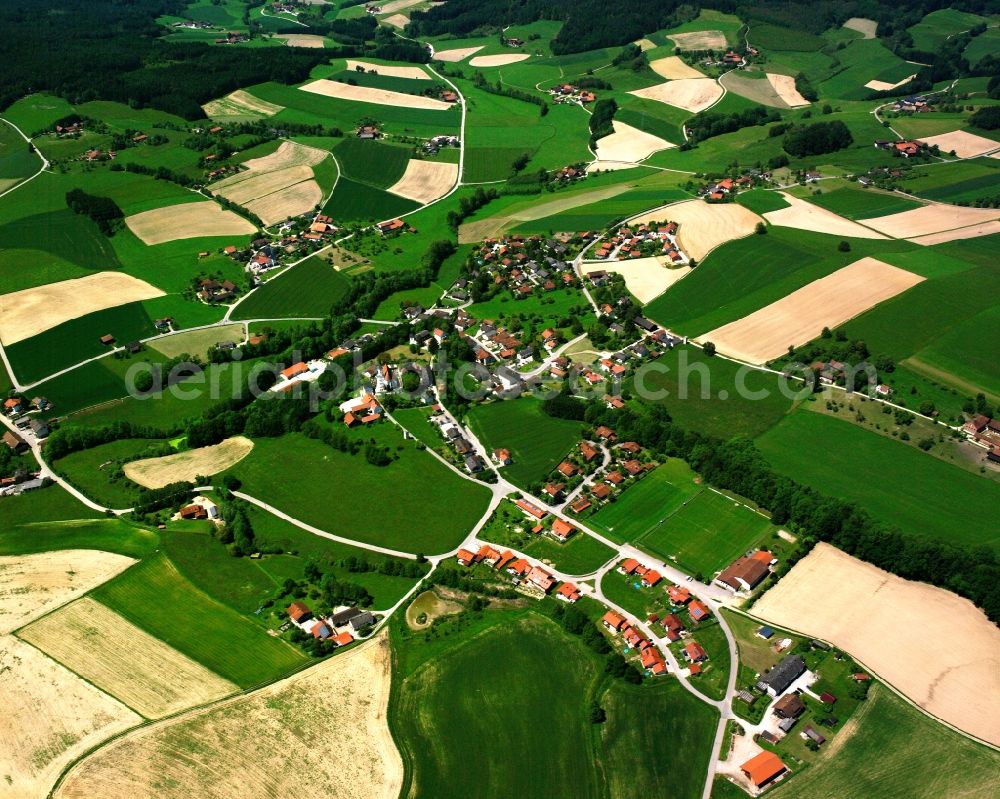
(456, 440)
(532, 576)
(650, 656)
(555, 527)
(720, 189)
(643, 241)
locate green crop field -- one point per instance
(602, 214)
(961, 181)
(862, 203)
(308, 289)
(382, 500)
(537, 442)
(887, 756)
(934, 29)
(371, 162)
(17, 161)
(109, 535)
(358, 201)
(483, 164)
(863, 60)
(774, 37)
(959, 352)
(89, 470)
(760, 201)
(653, 498)
(377, 81)
(155, 597)
(708, 532)
(899, 485)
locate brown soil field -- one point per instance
(646, 278)
(397, 20)
(290, 153)
(320, 734)
(458, 54)
(252, 185)
(673, 67)
(187, 221)
(645, 44)
(291, 201)
(124, 661)
(866, 27)
(882, 86)
(498, 60)
(691, 94)
(398, 5)
(414, 73)
(965, 144)
(930, 219)
(50, 717)
(628, 145)
(806, 216)
(32, 585)
(197, 342)
(310, 40)
(28, 312)
(885, 622)
(185, 466)
(424, 181)
(784, 86)
(241, 104)
(760, 90)
(972, 232)
(365, 94)
(802, 315)
(699, 40)
(703, 227)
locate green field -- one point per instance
(856, 203)
(897, 484)
(371, 162)
(934, 29)
(774, 37)
(358, 201)
(93, 473)
(863, 60)
(888, 756)
(707, 533)
(37, 112)
(956, 182)
(537, 442)
(761, 201)
(154, 596)
(602, 214)
(958, 353)
(308, 289)
(985, 44)
(17, 160)
(109, 535)
(378, 506)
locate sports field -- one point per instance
(905, 488)
(307, 290)
(155, 597)
(537, 442)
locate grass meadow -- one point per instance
(353, 201)
(17, 160)
(308, 289)
(958, 181)
(935, 28)
(899, 485)
(857, 203)
(371, 162)
(93, 473)
(156, 597)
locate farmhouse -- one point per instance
(299, 612)
(530, 508)
(745, 573)
(678, 595)
(763, 769)
(789, 707)
(777, 680)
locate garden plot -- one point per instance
(28, 312)
(498, 60)
(626, 146)
(425, 181)
(691, 94)
(186, 466)
(699, 40)
(804, 215)
(802, 315)
(242, 105)
(32, 585)
(123, 660)
(367, 94)
(882, 620)
(645, 278)
(187, 221)
(310, 40)
(929, 219)
(965, 144)
(413, 73)
(337, 706)
(704, 226)
(458, 54)
(784, 86)
(50, 717)
(866, 27)
(673, 67)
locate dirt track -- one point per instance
(935, 647)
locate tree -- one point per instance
(760, 229)
(844, 246)
(597, 714)
(708, 348)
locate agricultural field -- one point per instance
(17, 161)
(855, 204)
(537, 442)
(188, 465)
(932, 31)
(197, 343)
(308, 290)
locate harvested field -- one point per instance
(196, 342)
(882, 620)
(972, 232)
(699, 40)
(882, 86)
(498, 60)
(645, 278)
(785, 88)
(187, 221)
(246, 186)
(424, 181)
(243, 744)
(240, 104)
(123, 660)
(645, 44)
(930, 219)
(627, 145)
(366, 94)
(310, 40)
(691, 94)
(397, 20)
(965, 144)
(802, 315)
(760, 90)
(866, 27)
(703, 226)
(291, 201)
(32, 585)
(28, 312)
(804, 215)
(51, 717)
(413, 73)
(185, 466)
(458, 54)
(398, 5)
(289, 154)
(673, 67)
